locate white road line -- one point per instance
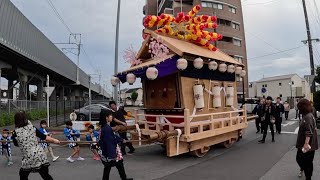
(288, 124)
(296, 130)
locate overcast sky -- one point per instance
(271, 26)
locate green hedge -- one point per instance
(7, 119)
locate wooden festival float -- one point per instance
(189, 86)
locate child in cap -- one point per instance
(5, 146)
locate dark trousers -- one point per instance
(43, 171)
(297, 114)
(286, 114)
(278, 124)
(305, 161)
(265, 125)
(258, 123)
(123, 145)
(109, 165)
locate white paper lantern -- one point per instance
(238, 70)
(213, 65)
(198, 63)
(182, 64)
(131, 78)
(222, 67)
(243, 73)
(231, 69)
(152, 73)
(115, 81)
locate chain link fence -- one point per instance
(36, 110)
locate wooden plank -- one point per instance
(186, 122)
(211, 133)
(171, 146)
(207, 142)
(158, 123)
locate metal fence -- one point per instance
(59, 110)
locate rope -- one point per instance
(79, 142)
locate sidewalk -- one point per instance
(288, 169)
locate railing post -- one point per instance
(186, 122)
(245, 113)
(136, 116)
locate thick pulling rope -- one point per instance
(79, 142)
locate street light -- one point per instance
(290, 89)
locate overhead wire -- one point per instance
(69, 30)
(280, 52)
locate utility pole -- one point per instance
(309, 41)
(77, 38)
(115, 91)
(89, 97)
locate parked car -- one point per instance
(95, 109)
(250, 104)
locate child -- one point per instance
(46, 146)
(5, 147)
(71, 135)
(93, 136)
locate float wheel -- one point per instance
(200, 152)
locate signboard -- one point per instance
(49, 90)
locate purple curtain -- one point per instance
(165, 68)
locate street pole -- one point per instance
(89, 97)
(48, 111)
(78, 60)
(243, 95)
(0, 90)
(313, 87)
(115, 94)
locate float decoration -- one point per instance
(182, 64)
(231, 69)
(213, 65)
(198, 63)
(238, 70)
(115, 81)
(157, 49)
(131, 78)
(152, 73)
(130, 57)
(222, 67)
(186, 27)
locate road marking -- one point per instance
(296, 131)
(289, 123)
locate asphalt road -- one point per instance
(247, 160)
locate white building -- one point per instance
(284, 86)
(125, 95)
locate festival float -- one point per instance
(189, 85)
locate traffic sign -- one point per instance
(49, 90)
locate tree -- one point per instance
(317, 77)
(134, 96)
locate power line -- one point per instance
(261, 3)
(269, 44)
(276, 52)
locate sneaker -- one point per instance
(261, 141)
(55, 158)
(300, 174)
(10, 163)
(80, 159)
(97, 158)
(70, 160)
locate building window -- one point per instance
(280, 95)
(238, 58)
(236, 42)
(232, 9)
(236, 26)
(265, 85)
(262, 85)
(280, 84)
(292, 83)
(212, 5)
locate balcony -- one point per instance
(163, 5)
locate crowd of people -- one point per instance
(106, 145)
(271, 114)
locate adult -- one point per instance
(258, 110)
(111, 153)
(119, 119)
(286, 106)
(314, 111)
(296, 108)
(307, 140)
(34, 158)
(278, 115)
(268, 119)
